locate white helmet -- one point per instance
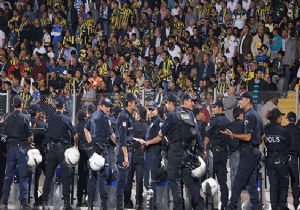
(96, 162)
(298, 208)
(72, 156)
(200, 170)
(210, 187)
(34, 157)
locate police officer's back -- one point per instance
(294, 153)
(17, 129)
(58, 139)
(277, 142)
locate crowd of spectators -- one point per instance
(56, 47)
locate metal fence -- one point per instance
(263, 101)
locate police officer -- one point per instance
(294, 152)
(218, 144)
(99, 132)
(17, 129)
(2, 153)
(249, 153)
(277, 141)
(179, 149)
(39, 132)
(153, 149)
(137, 163)
(124, 146)
(58, 139)
(83, 170)
(82, 164)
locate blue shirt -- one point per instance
(125, 129)
(100, 127)
(276, 43)
(253, 124)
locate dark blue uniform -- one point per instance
(219, 147)
(58, 139)
(153, 155)
(101, 130)
(83, 169)
(277, 142)
(2, 156)
(249, 158)
(16, 128)
(178, 169)
(111, 149)
(294, 152)
(137, 164)
(125, 130)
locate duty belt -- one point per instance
(56, 146)
(217, 148)
(17, 144)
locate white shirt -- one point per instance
(40, 50)
(168, 32)
(174, 11)
(2, 39)
(190, 29)
(231, 5)
(241, 44)
(246, 4)
(175, 52)
(230, 44)
(239, 21)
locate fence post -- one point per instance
(74, 106)
(7, 101)
(143, 97)
(297, 102)
(215, 94)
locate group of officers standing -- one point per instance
(135, 140)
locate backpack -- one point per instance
(187, 128)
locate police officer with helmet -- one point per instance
(99, 132)
(153, 155)
(277, 141)
(294, 153)
(58, 139)
(249, 153)
(179, 167)
(218, 144)
(124, 146)
(17, 129)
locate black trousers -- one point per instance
(220, 170)
(177, 171)
(279, 183)
(294, 174)
(83, 175)
(53, 159)
(137, 168)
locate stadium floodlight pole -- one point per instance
(7, 101)
(74, 105)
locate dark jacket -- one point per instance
(209, 71)
(246, 47)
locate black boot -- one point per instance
(25, 206)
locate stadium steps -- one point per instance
(288, 104)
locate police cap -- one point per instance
(59, 100)
(106, 102)
(237, 111)
(186, 96)
(131, 97)
(274, 114)
(152, 105)
(291, 116)
(247, 95)
(81, 115)
(18, 101)
(91, 108)
(172, 98)
(217, 104)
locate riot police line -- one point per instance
(152, 146)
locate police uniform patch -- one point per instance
(161, 124)
(109, 122)
(246, 122)
(151, 125)
(124, 124)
